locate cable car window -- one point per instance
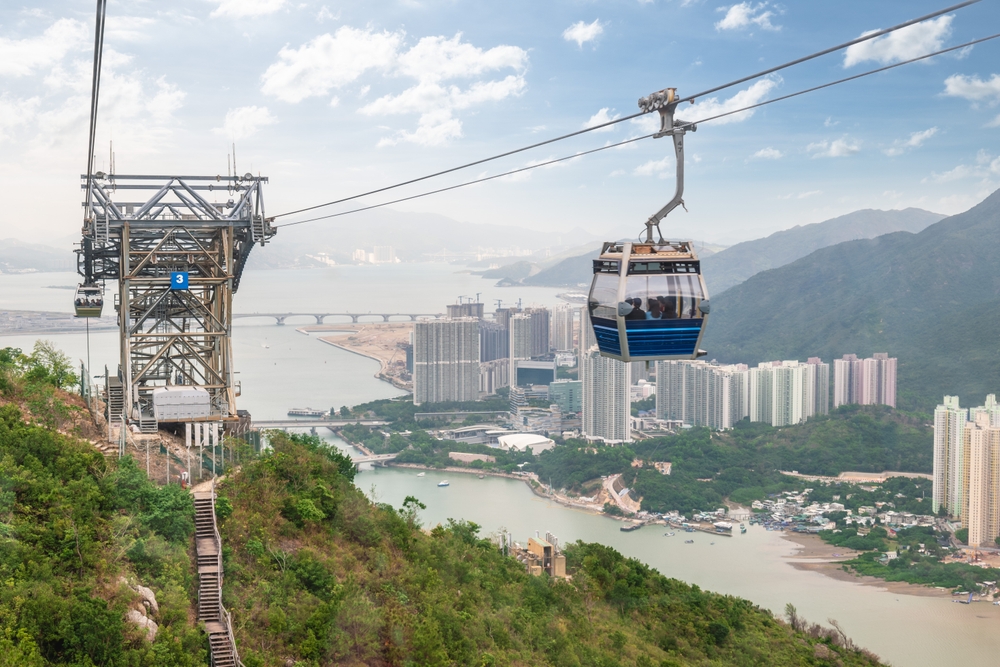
(604, 296)
(656, 297)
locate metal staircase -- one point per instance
(208, 544)
(116, 399)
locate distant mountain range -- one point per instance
(737, 263)
(415, 237)
(932, 299)
(19, 257)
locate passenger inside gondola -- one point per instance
(655, 311)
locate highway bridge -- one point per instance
(316, 423)
(355, 317)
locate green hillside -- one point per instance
(316, 574)
(931, 299)
(737, 263)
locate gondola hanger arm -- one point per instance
(665, 102)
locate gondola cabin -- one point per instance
(89, 301)
(648, 301)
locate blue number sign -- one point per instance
(178, 280)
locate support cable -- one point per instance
(95, 87)
(685, 125)
(690, 98)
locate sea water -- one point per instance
(280, 368)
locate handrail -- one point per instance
(224, 613)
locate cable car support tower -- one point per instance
(177, 254)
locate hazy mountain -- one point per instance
(18, 256)
(737, 263)
(931, 299)
(414, 236)
(579, 271)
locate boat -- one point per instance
(443, 483)
(723, 526)
(421, 474)
(743, 528)
(688, 541)
(668, 534)
(482, 476)
(629, 528)
(306, 412)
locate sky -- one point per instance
(332, 99)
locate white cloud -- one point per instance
(601, 117)
(746, 15)
(434, 61)
(712, 107)
(986, 167)
(903, 44)
(127, 28)
(836, 148)
(15, 113)
(916, 140)
(241, 8)
(326, 15)
(244, 121)
(329, 61)
(768, 154)
(654, 167)
(995, 122)
(973, 89)
(830, 122)
(21, 57)
(801, 195)
(581, 32)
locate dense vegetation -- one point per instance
(72, 525)
(316, 573)
(896, 293)
(743, 464)
(918, 559)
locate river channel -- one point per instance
(281, 368)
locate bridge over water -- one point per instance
(355, 317)
(314, 423)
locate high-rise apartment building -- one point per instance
(494, 341)
(864, 381)
(567, 394)
(782, 393)
(540, 326)
(949, 440)
(587, 339)
(467, 309)
(561, 325)
(982, 505)
(699, 393)
(967, 467)
(383, 254)
(606, 404)
(445, 360)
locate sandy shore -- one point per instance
(379, 341)
(817, 556)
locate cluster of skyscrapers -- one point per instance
(967, 467)
(516, 348)
(779, 393)
(466, 357)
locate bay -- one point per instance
(280, 368)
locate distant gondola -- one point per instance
(89, 301)
(648, 300)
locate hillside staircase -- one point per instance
(208, 544)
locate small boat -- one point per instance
(668, 534)
(443, 483)
(421, 474)
(481, 476)
(743, 528)
(629, 528)
(688, 541)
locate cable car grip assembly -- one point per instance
(665, 103)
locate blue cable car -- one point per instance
(648, 300)
(89, 300)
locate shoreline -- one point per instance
(538, 491)
(815, 555)
(382, 373)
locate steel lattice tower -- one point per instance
(171, 334)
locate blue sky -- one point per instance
(329, 99)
